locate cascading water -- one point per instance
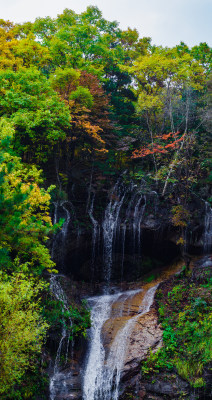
(102, 374)
(137, 218)
(109, 227)
(59, 240)
(67, 220)
(55, 220)
(93, 377)
(124, 228)
(208, 229)
(59, 381)
(95, 231)
(109, 344)
(123, 214)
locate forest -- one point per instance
(87, 111)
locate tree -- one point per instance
(83, 94)
(25, 222)
(40, 117)
(22, 330)
(165, 85)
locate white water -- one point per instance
(109, 227)
(59, 381)
(138, 215)
(208, 229)
(124, 212)
(102, 374)
(95, 231)
(62, 235)
(55, 219)
(67, 220)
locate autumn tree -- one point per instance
(88, 109)
(165, 85)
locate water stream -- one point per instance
(113, 315)
(59, 380)
(59, 239)
(114, 318)
(109, 227)
(95, 233)
(95, 376)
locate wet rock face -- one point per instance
(163, 386)
(146, 334)
(142, 227)
(160, 387)
(76, 260)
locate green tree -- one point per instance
(40, 117)
(25, 222)
(22, 330)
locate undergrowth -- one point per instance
(185, 313)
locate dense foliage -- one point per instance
(79, 91)
(78, 87)
(185, 312)
(22, 328)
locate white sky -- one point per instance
(167, 22)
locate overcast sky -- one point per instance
(167, 22)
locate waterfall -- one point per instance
(109, 227)
(58, 381)
(93, 377)
(118, 351)
(124, 227)
(67, 220)
(155, 201)
(137, 219)
(55, 220)
(102, 374)
(59, 239)
(208, 229)
(94, 373)
(95, 232)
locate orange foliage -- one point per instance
(160, 148)
(89, 125)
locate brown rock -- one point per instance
(142, 393)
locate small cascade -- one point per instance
(62, 208)
(59, 382)
(208, 229)
(118, 350)
(95, 232)
(55, 220)
(67, 220)
(103, 371)
(124, 228)
(94, 376)
(78, 235)
(136, 224)
(109, 227)
(155, 201)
